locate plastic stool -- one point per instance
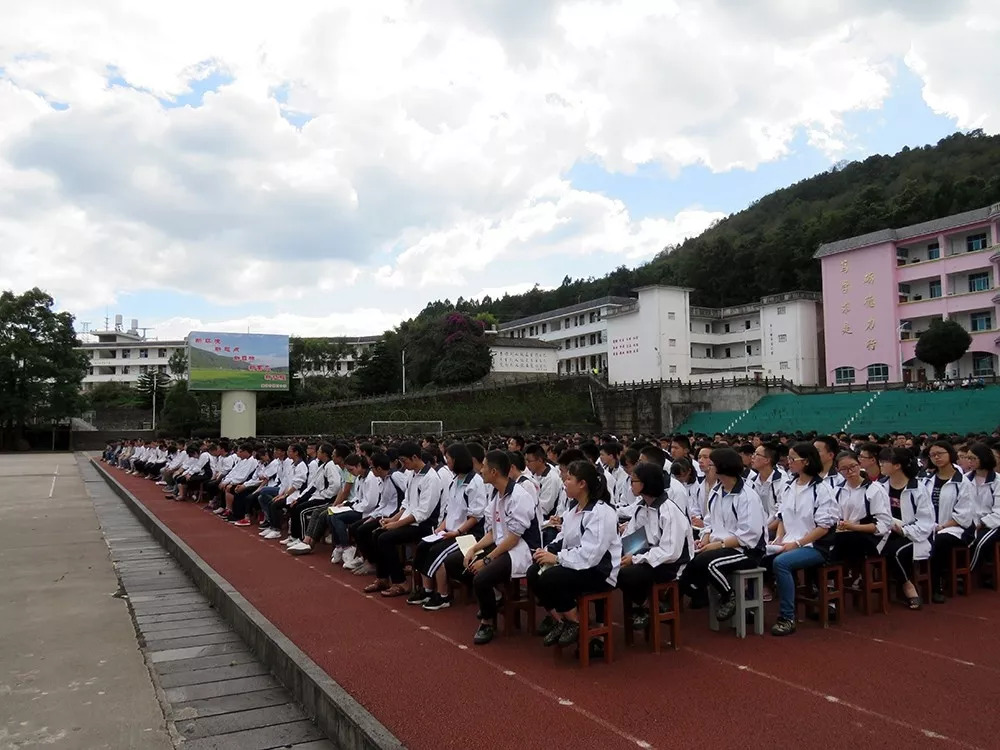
(748, 585)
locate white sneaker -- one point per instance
(328, 539)
(299, 548)
(219, 511)
(272, 534)
(354, 564)
(350, 554)
(161, 483)
(265, 531)
(290, 541)
(337, 556)
(365, 569)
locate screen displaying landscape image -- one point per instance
(237, 362)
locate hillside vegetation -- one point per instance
(768, 247)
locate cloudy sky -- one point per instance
(316, 167)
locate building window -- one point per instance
(671, 316)
(981, 321)
(933, 251)
(567, 322)
(749, 349)
(125, 370)
(982, 364)
(782, 338)
(126, 353)
(729, 352)
(878, 373)
(144, 354)
(976, 242)
(161, 353)
(727, 327)
(673, 369)
(979, 282)
(783, 366)
(671, 342)
(350, 366)
(708, 353)
(143, 369)
(747, 324)
(708, 328)
(781, 309)
(843, 375)
(161, 368)
(935, 289)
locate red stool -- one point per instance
(670, 592)
(960, 568)
(922, 578)
(874, 582)
(830, 590)
(517, 599)
(588, 631)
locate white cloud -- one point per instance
(437, 135)
(361, 322)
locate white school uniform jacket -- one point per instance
(769, 489)
(987, 497)
(739, 513)
(917, 516)
(422, 495)
(325, 482)
(869, 500)
(204, 461)
(512, 513)
(390, 491)
(695, 505)
(805, 507)
(620, 487)
(589, 539)
(676, 492)
(548, 484)
(295, 479)
(463, 499)
(369, 489)
(241, 472)
(312, 468)
(957, 502)
(668, 533)
(267, 475)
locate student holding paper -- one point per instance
(658, 542)
(503, 553)
(584, 558)
(463, 506)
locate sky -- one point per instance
(328, 168)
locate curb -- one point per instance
(336, 713)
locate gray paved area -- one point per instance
(79, 669)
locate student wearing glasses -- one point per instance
(955, 505)
(807, 515)
(865, 517)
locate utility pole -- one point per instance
(404, 370)
(156, 377)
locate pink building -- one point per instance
(881, 290)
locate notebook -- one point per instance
(634, 543)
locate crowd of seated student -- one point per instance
(556, 510)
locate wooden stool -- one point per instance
(460, 590)
(960, 569)
(990, 564)
(874, 582)
(922, 578)
(517, 599)
(830, 590)
(588, 631)
(657, 619)
(748, 585)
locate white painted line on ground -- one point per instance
(55, 476)
(834, 699)
(916, 649)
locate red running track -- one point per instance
(899, 681)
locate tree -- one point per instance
(181, 410)
(178, 363)
(40, 367)
(112, 395)
(465, 352)
(150, 382)
(944, 342)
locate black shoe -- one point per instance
(726, 608)
(938, 597)
(555, 632)
(783, 627)
(435, 602)
(570, 634)
(484, 635)
(419, 596)
(596, 648)
(548, 622)
(640, 621)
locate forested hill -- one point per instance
(768, 247)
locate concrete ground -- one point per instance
(71, 672)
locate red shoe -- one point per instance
(242, 522)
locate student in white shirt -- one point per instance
(293, 481)
(732, 537)
(668, 547)
(413, 521)
(986, 489)
(675, 490)
(267, 481)
(618, 480)
(865, 517)
(767, 479)
(827, 448)
(546, 478)
(311, 516)
(199, 471)
(233, 488)
(583, 559)
(391, 494)
(955, 507)
(463, 506)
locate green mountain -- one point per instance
(768, 247)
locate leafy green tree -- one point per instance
(944, 342)
(181, 410)
(178, 363)
(112, 395)
(465, 351)
(150, 382)
(41, 368)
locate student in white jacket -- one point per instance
(583, 559)
(668, 547)
(986, 488)
(909, 536)
(955, 505)
(865, 517)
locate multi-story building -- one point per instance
(120, 356)
(661, 336)
(513, 355)
(580, 331)
(352, 349)
(882, 290)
